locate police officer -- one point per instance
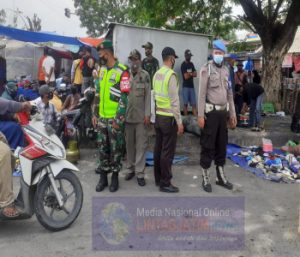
(214, 101)
(113, 90)
(150, 63)
(137, 117)
(168, 120)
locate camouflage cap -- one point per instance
(135, 54)
(148, 45)
(106, 44)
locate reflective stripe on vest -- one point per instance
(161, 91)
(107, 80)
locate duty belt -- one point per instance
(214, 107)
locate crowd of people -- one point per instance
(122, 111)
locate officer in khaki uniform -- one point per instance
(214, 101)
(137, 117)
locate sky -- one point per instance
(51, 13)
(53, 16)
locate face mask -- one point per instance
(73, 90)
(218, 59)
(135, 67)
(173, 62)
(148, 52)
(50, 95)
(103, 61)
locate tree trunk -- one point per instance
(271, 76)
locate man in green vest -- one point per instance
(113, 90)
(168, 121)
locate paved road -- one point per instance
(271, 217)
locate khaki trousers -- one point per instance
(6, 189)
(136, 145)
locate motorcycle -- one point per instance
(49, 187)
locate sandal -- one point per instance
(10, 211)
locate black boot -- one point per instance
(114, 182)
(206, 181)
(103, 183)
(221, 179)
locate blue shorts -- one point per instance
(189, 96)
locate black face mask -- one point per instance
(173, 62)
(50, 95)
(102, 61)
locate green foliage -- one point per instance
(202, 16)
(96, 15)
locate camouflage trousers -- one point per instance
(111, 143)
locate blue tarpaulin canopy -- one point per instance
(37, 37)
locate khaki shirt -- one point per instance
(215, 88)
(174, 98)
(139, 97)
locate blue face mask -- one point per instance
(218, 58)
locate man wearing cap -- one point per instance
(214, 102)
(188, 74)
(150, 63)
(137, 117)
(168, 120)
(113, 90)
(47, 109)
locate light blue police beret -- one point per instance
(219, 44)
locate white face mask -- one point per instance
(218, 58)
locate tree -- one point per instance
(34, 23)
(96, 15)
(276, 22)
(2, 16)
(209, 17)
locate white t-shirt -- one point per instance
(49, 63)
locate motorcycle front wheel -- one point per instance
(47, 210)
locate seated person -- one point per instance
(72, 100)
(6, 191)
(56, 101)
(10, 91)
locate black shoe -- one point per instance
(129, 175)
(141, 182)
(221, 179)
(207, 187)
(206, 180)
(169, 189)
(103, 183)
(227, 185)
(114, 186)
(98, 170)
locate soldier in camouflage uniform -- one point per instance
(113, 90)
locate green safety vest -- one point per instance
(110, 93)
(161, 91)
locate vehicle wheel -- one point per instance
(47, 210)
